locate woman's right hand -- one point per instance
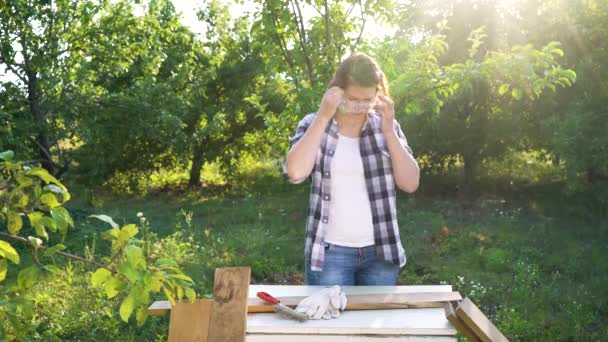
(330, 102)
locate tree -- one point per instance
(479, 96)
(38, 40)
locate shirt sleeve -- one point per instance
(299, 132)
(402, 137)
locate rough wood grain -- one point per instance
(355, 302)
(373, 301)
(190, 321)
(470, 314)
(230, 291)
(450, 314)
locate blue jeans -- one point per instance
(352, 266)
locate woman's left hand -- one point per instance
(386, 109)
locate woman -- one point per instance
(356, 155)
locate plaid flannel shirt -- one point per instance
(380, 186)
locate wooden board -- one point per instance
(414, 324)
(450, 314)
(190, 321)
(348, 338)
(372, 301)
(421, 296)
(470, 314)
(355, 302)
(428, 321)
(230, 291)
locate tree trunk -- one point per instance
(471, 170)
(42, 138)
(198, 160)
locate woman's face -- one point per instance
(359, 100)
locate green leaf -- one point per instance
(503, 89)
(19, 199)
(27, 277)
(61, 192)
(7, 155)
(169, 295)
(111, 234)
(53, 188)
(7, 251)
(15, 223)
(181, 277)
(49, 223)
(127, 232)
(127, 269)
(127, 306)
(52, 250)
(36, 222)
(45, 176)
(107, 219)
(113, 286)
(53, 269)
(49, 200)
(24, 181)
(35, 217)
(571, 74)
(190, 294)
(165, 262)
(516, 93)
(3, 269)
(63, 219)
(141, 315)
(157, 281)
(35, 242)
(135, 256)
(100, 276)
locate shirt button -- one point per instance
(331, 152)
(326, 197)
(325, 220)
(327, 173)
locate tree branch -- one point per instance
(299, 20)
(364, 16)
(72, 256)
(10, 65)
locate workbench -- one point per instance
(387, 325)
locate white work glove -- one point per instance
(325, 303)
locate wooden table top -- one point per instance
(410, 321)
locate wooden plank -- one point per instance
(450, 314)
(348, 338)
(355, 302)
(159, 308)
(307, 290)
(420, 322)
(470, 314)
(373, 301)
(230, 291)
(190, 321)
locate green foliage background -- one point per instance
(503, 103)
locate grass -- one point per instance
(530, 254)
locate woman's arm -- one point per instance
(405, 168)
(301, 157)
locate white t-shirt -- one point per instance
(350, 215)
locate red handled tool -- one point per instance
(281, 308)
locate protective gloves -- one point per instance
(325, 303)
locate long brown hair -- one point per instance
(360, 70)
